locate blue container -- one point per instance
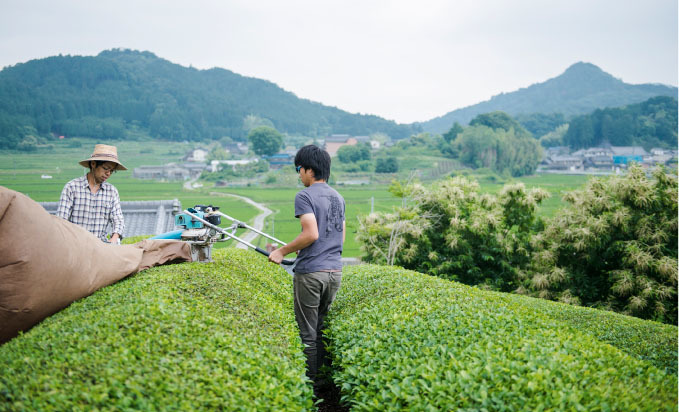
(175, 234)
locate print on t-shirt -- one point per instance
(334, 214)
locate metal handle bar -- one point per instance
(246, 243)
(246, 226)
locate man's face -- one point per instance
(306, 176)
(103, 171)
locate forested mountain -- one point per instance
(652, 123)
(582, 88)
(122, 92)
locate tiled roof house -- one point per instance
(334, 142)
(142, 217)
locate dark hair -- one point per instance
(314, 158)
(98, 163)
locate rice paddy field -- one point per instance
(27, 173)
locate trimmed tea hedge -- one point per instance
(405, 341)
(187, 337)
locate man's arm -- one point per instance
(117, 219)
(307, 237)
(65, 206)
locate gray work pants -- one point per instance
(314, 292)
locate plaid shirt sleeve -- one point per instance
(65, 206)
(117, 220)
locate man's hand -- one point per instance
(308, 236)
(115, 239)
(276, 256)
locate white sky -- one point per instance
(402, 60)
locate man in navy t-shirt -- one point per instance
(318, 269)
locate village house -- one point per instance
(215, 164)
(335, 141)
(142, 217)
(196, 155)
(237, 148)
(622, 155)
(170, 171)
(660, 156)
(605, 157)
(280, 160)
(564, 162)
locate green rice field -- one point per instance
(24, 172)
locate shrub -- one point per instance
(218, 336)
(353, 153)
(386, 165)
(405, 341)
(614, 247)
(453, 231)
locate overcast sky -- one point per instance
(403, 60)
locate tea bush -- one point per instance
(218, 336)
(405, 341)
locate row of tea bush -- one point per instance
(222, 336)
(187, 337)
(402, 340)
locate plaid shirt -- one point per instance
(94, 212)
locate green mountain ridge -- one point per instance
(581, 89)
(124, 93)
(118, 91)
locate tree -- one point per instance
(353, 153)
(265, 140)
(499, 150)
(217, 153)
(500, 120)
(555, 137)
(386, 165)
(614, 248)
(651, 123)
(452, 231)
(451, 134)
(539, 124)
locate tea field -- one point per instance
(222, 336)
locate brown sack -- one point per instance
(47, 262)
(162, 251)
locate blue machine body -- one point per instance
(182, 219)
(185, 221)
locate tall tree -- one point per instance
(265, 140)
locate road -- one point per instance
(258, 224)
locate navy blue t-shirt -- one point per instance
(328, 207)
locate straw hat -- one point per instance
(105, 153)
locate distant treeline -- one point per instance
(123, 93)
(130, 94)
(652, 123)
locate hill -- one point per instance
(124, 93)
(581, 89)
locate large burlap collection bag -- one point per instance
(47, 262)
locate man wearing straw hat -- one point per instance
(90, 201)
